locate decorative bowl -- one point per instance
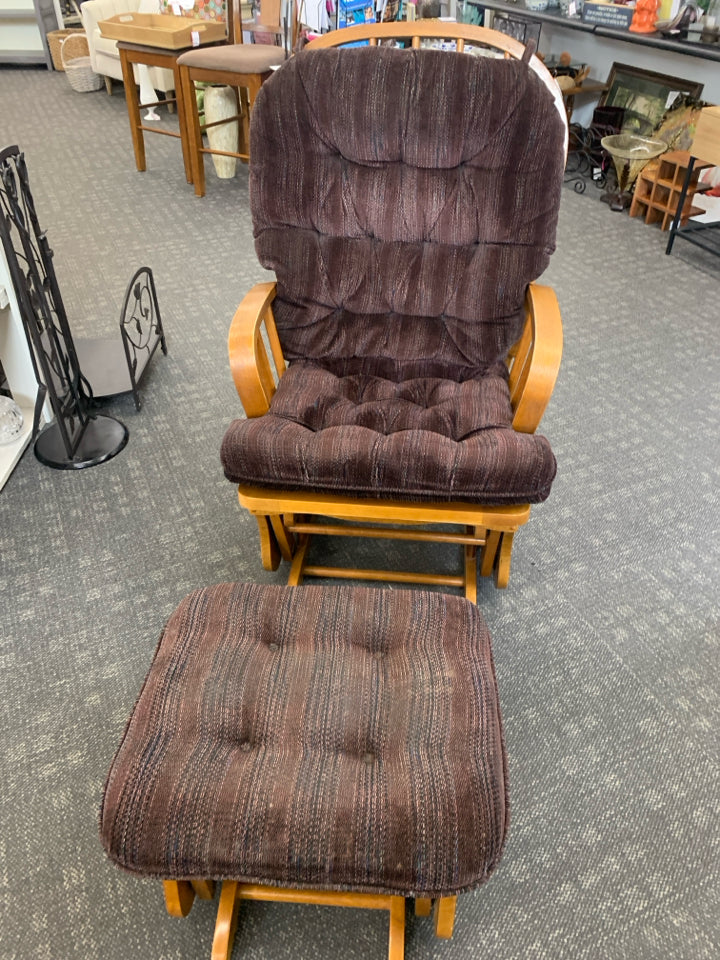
(536, 6)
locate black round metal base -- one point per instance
(102, 439)
(616, 200)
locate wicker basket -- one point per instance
(55, 39)
(75, 57)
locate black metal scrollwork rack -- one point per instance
(79, 436)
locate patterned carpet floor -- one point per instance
(606, 641)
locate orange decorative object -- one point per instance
(645, 15)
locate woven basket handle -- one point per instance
(68, 42)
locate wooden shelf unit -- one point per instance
(658, 187)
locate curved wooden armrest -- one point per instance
(250, 365)
(535, 360)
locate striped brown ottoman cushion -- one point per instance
(321, 737)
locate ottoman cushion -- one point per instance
(327, 737)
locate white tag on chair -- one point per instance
(195, 36)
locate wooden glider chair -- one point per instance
(406, 199)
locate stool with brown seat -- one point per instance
(242, 66)
(327, 744)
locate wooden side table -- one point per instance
(131, 53)
(586, 87)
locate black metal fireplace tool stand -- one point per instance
(71, 374)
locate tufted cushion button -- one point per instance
(273, 646)
(245, 745)
(368, 758)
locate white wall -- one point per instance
(600, 54)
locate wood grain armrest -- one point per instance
(535, 359)
(255, 380)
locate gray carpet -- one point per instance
(606, 641)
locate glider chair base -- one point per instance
(180, 896)
(287, 521)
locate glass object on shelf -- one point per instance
(11, 420)
(630, 154)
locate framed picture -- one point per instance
(521, 30)
(644, 95)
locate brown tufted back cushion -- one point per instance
(404, 199)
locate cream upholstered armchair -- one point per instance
(104, 56)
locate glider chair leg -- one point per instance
(471, 565)
(496, 557)
(285, 539)
(502, 561)
(487, 561)
(269, 549)
(297, 574)
(423, 906)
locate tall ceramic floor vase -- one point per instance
(220, 103)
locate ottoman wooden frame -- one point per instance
(331, 745)
(180, 896)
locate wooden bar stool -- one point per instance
(332, 745)
(242, 66)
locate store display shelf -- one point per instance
(10, 453)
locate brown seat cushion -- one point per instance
(427, 438)
(234, 58)
(327, 737)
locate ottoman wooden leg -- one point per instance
(444, 917)
(396, 938)
(227, 921)
(423, 906)
(179, 897)
(205, 889)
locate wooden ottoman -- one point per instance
(328, 745)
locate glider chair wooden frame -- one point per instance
(286, 520)
(417, 31)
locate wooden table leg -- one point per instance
(133, 105)
(181, 108)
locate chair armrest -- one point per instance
(535, 359)
(255, 380)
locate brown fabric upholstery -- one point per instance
(404, 199)
(329, 737)
(420, 439)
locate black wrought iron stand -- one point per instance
(79, 436)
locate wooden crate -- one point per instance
(657, 191)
